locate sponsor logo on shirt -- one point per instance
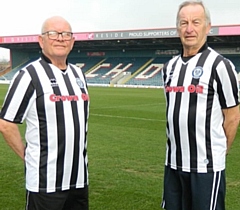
(181, 89)
(85, 97)
(57, 98)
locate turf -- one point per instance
(126, 151)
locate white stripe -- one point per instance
(27, 200)
(215, 192)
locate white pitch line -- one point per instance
(133, 118)
(133, 105)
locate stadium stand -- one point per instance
(143, 71)
(123, 70)
(151, 74)
(236, 61)
(86, 63)
(112, 67)
(10, 74)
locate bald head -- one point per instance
(55, 21)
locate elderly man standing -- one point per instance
(201, 90)
(51, 95)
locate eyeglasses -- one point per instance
(53, 35)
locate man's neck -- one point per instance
(61, 63)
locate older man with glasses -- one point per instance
(51, 95)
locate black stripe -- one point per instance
(222, 99)
(42, 127)
(192, 113)
(85, 117)
(76, 128)
(11, 93)
(61, 134)
(233, 80)
(168, 83)
(176, 115)
(209, 106)
(233, 84)
(24, 103)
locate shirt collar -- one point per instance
(45, 58)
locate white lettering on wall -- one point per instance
(144, 75)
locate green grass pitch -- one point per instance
(126, 151)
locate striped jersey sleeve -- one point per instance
(18, 99)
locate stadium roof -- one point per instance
(151, 39)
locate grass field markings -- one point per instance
(233, 183)
(128, 105)
(124, 117)
(140, 173)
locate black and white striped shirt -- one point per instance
(196, 92)
(55, 105)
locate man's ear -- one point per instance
(73, 40)
(40, 41)
(208, 28)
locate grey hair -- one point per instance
(194, 2)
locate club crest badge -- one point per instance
(197, 72)
(80, 83)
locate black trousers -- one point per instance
(193, 191)
(73, 199)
